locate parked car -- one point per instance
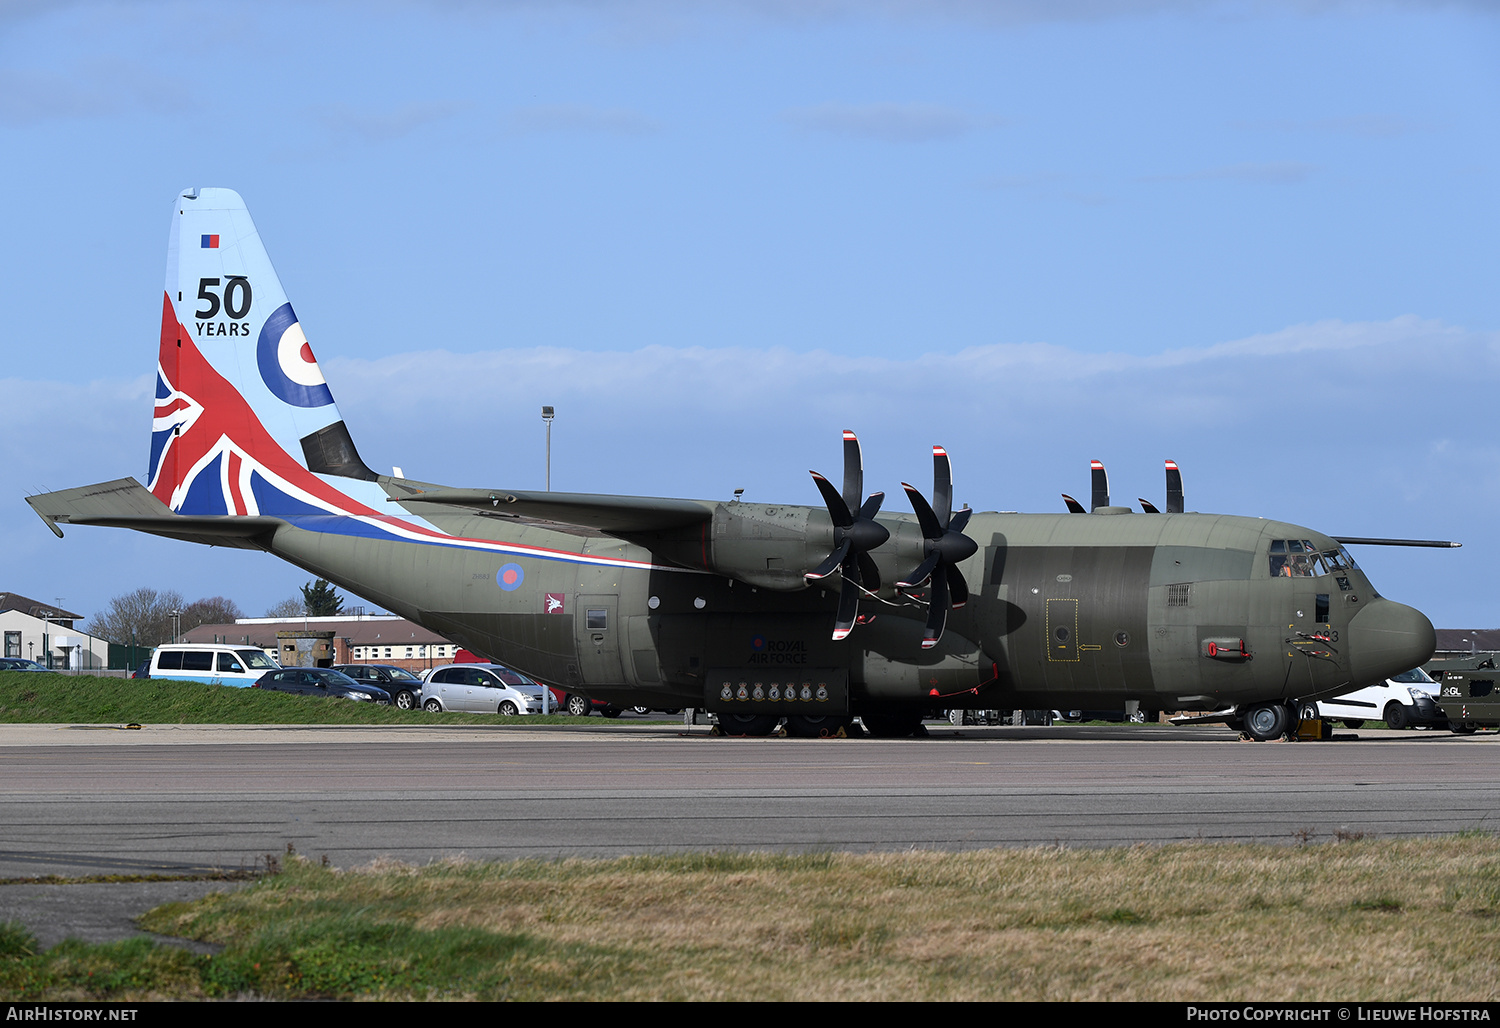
(480, 688)
(321, 681)
(19, 664)
(210, 663)
(405, 688)
(1406, 701)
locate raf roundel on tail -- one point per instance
(632, 600)
(286, 361)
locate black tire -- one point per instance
(1397, 716)
(432, 706)
(757, 725)
(611, 711)
(807, 726)
(641, 710)
(1462, 727)
(955, 717)
(1309, 712)
(1266, 721)
(579, 706)
(1354, 722)
(405, 700)
(508, 709)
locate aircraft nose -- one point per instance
(1388, 638)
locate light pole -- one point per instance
(176, 616)
(547, 415)
(46, 627)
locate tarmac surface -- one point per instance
(189, 801)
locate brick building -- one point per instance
(362, 639)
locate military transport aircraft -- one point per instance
(759, 612)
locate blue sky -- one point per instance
(1256, 237)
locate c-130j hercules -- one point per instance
(733, 606)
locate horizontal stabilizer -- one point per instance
(611, 514)
(125, 503)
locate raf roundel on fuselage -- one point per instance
(287, 365)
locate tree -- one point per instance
(214, 610)
(291, 607)
(143, 616)
(321, 599)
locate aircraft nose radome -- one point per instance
(1388, 638)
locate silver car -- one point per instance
(480, 689)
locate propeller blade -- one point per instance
(854, 470)
(848, 609)
(1174, 488)
(942, 486)
(959, 587)
(832, 564)
(871, 508)
(960, 520)
(931, 527)
(937, 612)
(1147, 505)
(837, 508)
(923, 572)
(1074, 507)
(1100, 481)
(869, 574)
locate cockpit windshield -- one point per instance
(1299, 558)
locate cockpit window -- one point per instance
(1299, 558)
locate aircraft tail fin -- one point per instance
(244, 423)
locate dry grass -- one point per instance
(1352, 920)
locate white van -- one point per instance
(1407, 701)
(211, 663)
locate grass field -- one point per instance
(32, 698)
(1347, 920)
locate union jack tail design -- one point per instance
(243, 422)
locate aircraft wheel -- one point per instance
(433, 707)
(1266, 721)
(579, 706)
(806, 726)
(508, 709)
(405, 700)
(1396, 716)
(895, 726)
(748, 724)
(1352, 723)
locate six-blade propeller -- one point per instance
(855, 533)
(944, 547)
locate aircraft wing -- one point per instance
(615, 515)
(125, 503)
